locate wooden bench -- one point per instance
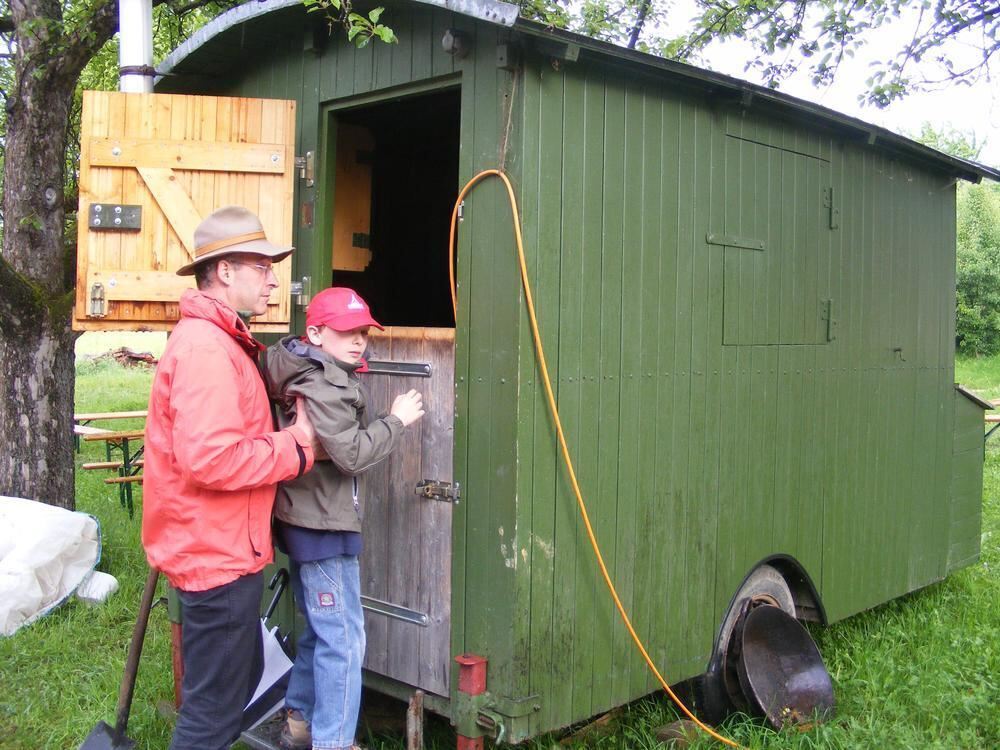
(109, 464)
(124, 480)
(129, 468)
(82, 426)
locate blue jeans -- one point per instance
(326, 679)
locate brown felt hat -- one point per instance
(229, 230)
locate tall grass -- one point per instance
(922, 671)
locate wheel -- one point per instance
(765, 585)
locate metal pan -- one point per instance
(781, 670)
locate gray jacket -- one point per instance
(327, 497)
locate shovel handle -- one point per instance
(134, 652)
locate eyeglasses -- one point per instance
(266, 269)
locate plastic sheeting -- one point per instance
(45, 552)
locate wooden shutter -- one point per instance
(177, 158)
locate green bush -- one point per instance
(977, 312)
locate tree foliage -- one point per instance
(977, 280)
(977, 320)
(949, 41)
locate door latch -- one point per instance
(306, 166)
(433, 490)
(301, 290)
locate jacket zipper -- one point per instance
(354, 486)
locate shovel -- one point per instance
(103, 737)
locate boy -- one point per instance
(319, 514)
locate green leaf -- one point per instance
(375, 14)
(386, 34)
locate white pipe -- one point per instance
(135, 44)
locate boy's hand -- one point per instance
(408, 407)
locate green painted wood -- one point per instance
(629, 540)
(586, 441)
(712, 423)
(542, 129)
(650, 506)
(558, 134)
(610, 661)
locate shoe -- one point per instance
(295, 735)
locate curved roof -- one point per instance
(195, 57)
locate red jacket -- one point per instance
(212, 457)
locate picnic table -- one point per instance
(129, 443)
(82, 426)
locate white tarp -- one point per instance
(45, 552)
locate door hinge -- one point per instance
(435, 490)
(830, 203)
(306, 166)
(302, 291)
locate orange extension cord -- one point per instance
(558, 424)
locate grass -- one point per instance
(922, 671)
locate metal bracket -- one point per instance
(395, 611)
(827, 315)
(443, 491)
(409, 369)
(302, 291)
(98, 304)
(493, 715)
(729, 240)
(830, 203)
(307, 167)
(114, 217)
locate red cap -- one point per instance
(341, 309)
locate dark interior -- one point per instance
(414, 186)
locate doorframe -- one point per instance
(322, 256)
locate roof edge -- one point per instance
(491, 11)
(974, 398)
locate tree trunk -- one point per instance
(37, 265)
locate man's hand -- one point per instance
(302, 420)
(408, 407)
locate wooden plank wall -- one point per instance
(965, 523)
(179, 158)
(697, 459)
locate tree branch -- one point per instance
(640, 21)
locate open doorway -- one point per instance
(395, 186)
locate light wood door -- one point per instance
(171, 160)
(406, 565)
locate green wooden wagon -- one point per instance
(747, 303)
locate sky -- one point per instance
(973, 110)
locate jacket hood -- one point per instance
(291, 360)
(197, 304)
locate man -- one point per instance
(213, 459)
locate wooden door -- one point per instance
(152, 166)
(406, 564)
